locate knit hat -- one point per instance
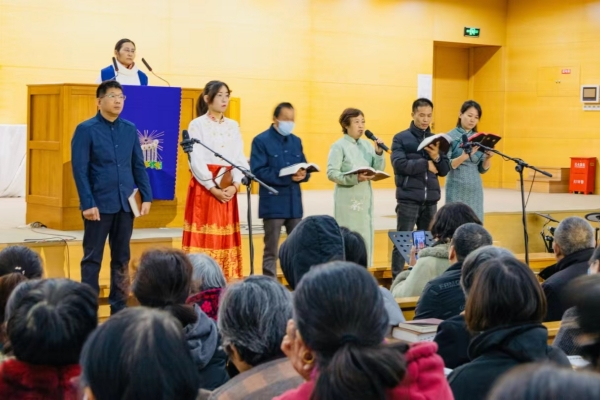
(315, 240)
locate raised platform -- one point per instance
(62, 252)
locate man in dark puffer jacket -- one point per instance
(416, 174)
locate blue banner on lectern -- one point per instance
(155, 112)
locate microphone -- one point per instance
(116, 67)
(374, 138)
(466, 145)
(186, 144)
(150, 69)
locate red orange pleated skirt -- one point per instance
(213, 228)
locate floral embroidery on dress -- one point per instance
(213, 118)
(356, 205)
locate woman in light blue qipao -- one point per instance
(463, 183)
(353, 195)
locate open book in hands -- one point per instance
(378, 175)
(485, 139)
(292, 169)
(443, 138)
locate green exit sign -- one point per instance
(472, 32)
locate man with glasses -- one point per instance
(107, 163)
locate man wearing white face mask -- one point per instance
(272, 150)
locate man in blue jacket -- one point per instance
(107, 162)
(272, 150)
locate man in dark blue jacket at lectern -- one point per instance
(275, 149)
(107, 162)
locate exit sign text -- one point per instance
(472, 32)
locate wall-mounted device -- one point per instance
(590, 97)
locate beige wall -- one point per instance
(322, 55)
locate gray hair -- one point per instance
(468, 238)
(207, 273)
(253, 317)
(574, 234)
(476, 259)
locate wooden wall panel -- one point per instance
(546, 127)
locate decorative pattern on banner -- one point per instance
(155, 111)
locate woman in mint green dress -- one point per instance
(463, 182)
(353, 196)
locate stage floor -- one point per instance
(14, 230)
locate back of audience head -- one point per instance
(317, 239)
(468, 238)
(573, 234)
(21, 259)
(491, 304)
(355, 248)
(139, 353)
(51, 320)
(341, 318)
(252, 320)
(163, 280)
(448, 218)
(584, 294)
(7, 284)
(207, 274)
(546, 382)
(476, 259)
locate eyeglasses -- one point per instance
(113, 96)
(132, 51)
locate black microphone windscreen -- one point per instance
(185, 135)
(369, 134)
(115, 64)
(146, 64)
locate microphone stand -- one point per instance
(247, 181)
(521, 165)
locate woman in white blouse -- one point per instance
(211, 223)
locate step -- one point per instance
(540, 186)
(558, 174)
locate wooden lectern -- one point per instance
(53, 113)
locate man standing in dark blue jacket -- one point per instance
(107, 162)
(272, 150)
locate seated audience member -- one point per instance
(22, 260)
(336, 342)
(7, 284)
(47, 328)
(584, 294)
(573, 247)
(433, 261)
(163, 281)
(505, 306)
(569, 329)
(252, 321)
(138, 353)
(208, 282)
(546, 382)
(443, 297)
(452, 336)
(315, 240)
(355, 251)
